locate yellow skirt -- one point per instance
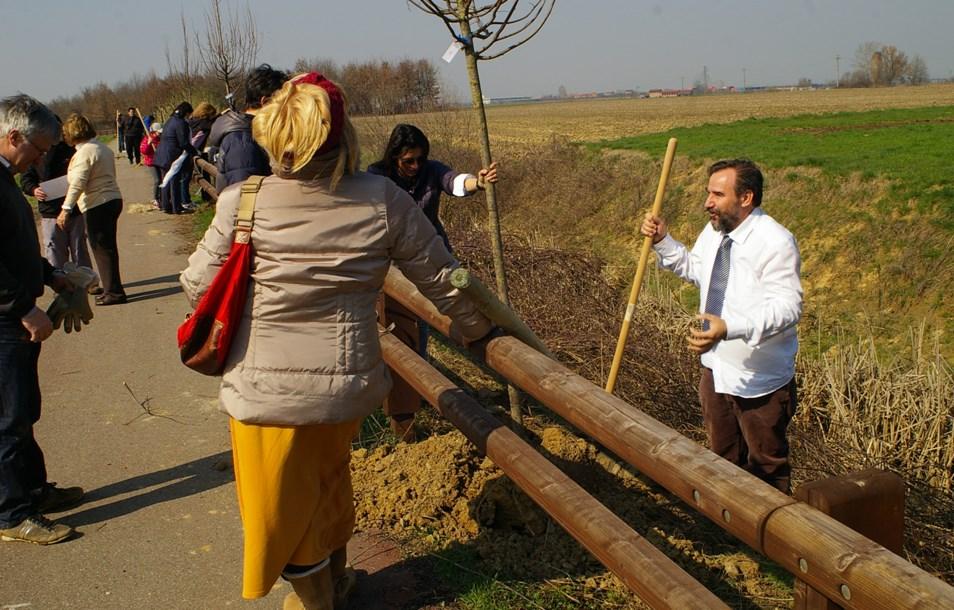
(295, 496)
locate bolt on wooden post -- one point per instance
(871, 502)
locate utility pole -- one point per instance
(705, 79)
(743, 81)
(682, 79)
(837, 71)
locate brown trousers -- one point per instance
(750, 432)
(403, 399)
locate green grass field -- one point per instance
(909, 147)
(870, 197)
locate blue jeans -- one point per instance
(176, 192)
(185, 180)
(22, 467)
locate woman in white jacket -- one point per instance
(93, 188)
(305, 365)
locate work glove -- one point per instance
(70, 308)
(78, 311)
(81, 277)
(57, 310)
(80, 303)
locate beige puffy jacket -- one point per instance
(307, 350)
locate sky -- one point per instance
(54, 48)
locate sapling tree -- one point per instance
(229, 45)
(486, 30)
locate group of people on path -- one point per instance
(305, 366)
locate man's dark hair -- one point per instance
(183, 110)
(403, 137)
(131, 108)
(262, 82)
(748, 177)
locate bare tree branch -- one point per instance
(184, 72)
(491, 22)
(525, 38)
(230, 45)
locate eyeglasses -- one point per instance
(40, 151)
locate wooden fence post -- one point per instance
(871, 502)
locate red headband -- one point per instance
(337, 107)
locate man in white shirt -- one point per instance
(746, 266)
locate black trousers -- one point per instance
(101, 224)
(132, 148)
(22, 467)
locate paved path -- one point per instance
(160, 528)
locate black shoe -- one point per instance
(111, 299)
(53, 499)
(186, 211)
(95, 289)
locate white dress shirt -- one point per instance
(763, 302)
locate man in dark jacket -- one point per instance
(28, 130)
(237, 156)
(59, 246)
(133, 131)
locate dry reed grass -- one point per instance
(897, 414)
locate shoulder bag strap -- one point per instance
(246, 209)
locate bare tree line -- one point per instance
(374, 87)
(884, 65)
(379, 87)
(211, 63)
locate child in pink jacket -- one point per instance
(148, 149)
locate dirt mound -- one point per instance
(441, 493)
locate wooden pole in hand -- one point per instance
(143, 121)
(640, 268)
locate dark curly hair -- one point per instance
(262, 82)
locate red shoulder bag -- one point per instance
(206, 335)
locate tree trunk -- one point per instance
(477, 100)
(500, 273)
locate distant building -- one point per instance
(668, 92)
(517, 99)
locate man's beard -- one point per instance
(725, 223)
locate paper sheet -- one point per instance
(452, 51)
(55, 188)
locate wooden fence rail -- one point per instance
(208, 168)
(842, 564)
(643, 567)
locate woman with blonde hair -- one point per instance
(200, 123)
(94, 190)
(305, 365)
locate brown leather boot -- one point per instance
(343, 576)
(312, 592)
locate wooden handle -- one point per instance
(640, 268)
